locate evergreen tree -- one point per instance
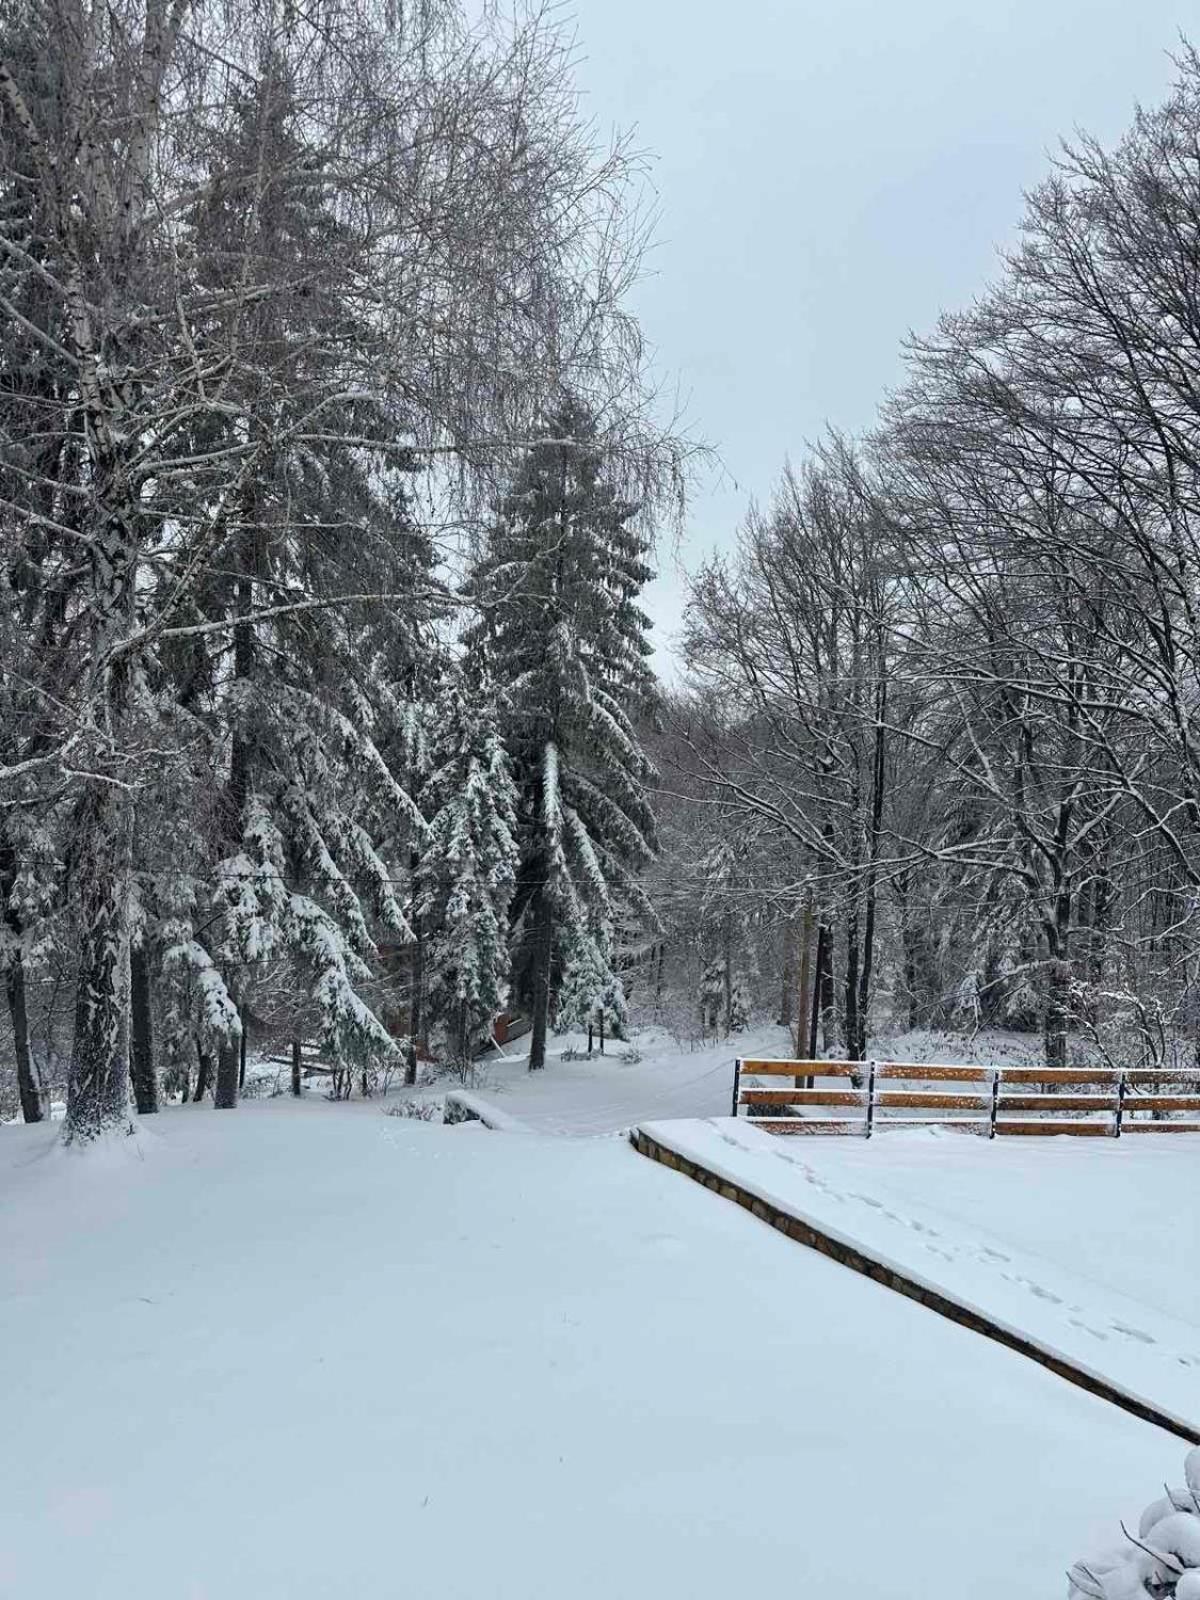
(561, 631)
(313, 705)
(35, 380)
(468, 867)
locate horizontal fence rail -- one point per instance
(1096, 1102)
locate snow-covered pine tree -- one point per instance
(306, 844)
(591, 994)
(560, 632)
(468, 866)
(722, 923)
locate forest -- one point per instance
(333, 468)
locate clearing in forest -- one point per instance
(315, 1350)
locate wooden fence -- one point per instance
(1097, 1101)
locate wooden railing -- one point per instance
(1098, 1101)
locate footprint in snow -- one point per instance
(1043, 1294)
(1095, 1332)
(1034, 1288)
(1132, 1333)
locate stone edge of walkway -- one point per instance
(805, 1232)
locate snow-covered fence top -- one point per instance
(1103, 1101)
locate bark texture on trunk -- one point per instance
(822, 1012)
(543, 949)
(98, 1089)
(416, 1019)
(229, 1067)
(804, 999)
(204, 1074)
(30, 1089)
(1058, 1012)
(141, 1031)
(854, 1049)
(29, 1080)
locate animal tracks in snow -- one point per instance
(975, 1256)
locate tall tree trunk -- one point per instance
(229, 1066)
(1059, 967)
(417, 1009)
(543, 951)
(787, 976)
(29, 1081)
(804, 1005)
(1057, 1016)
(98, 1087)
(204, 1074)
(297, 1087)
(850, 990)
(819, 972)
(878, 776)
(230, 1054)
(826, 1010)
(727, 975)
(1057, 1013)
(908, 948)
(464, 1037)
(1103, 897)
(141, 1030)
(98, 1082)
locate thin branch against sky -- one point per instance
(830, 177)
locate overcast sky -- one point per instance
(831, 174)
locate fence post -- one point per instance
(737, 1081)
(870, 1099)
(1120, 1104)
(995, 1102)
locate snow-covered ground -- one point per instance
(607, 1094)
(307, 1351)
(1088, 1248)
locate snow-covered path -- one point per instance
(1089, 1247)
(310, 1351)
(605, 1094)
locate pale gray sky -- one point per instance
(831, 175)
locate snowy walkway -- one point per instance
(1089, 1248)
(310, 1351)
(604, 1094)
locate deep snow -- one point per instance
(1088, 1247)
(305, 1350)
